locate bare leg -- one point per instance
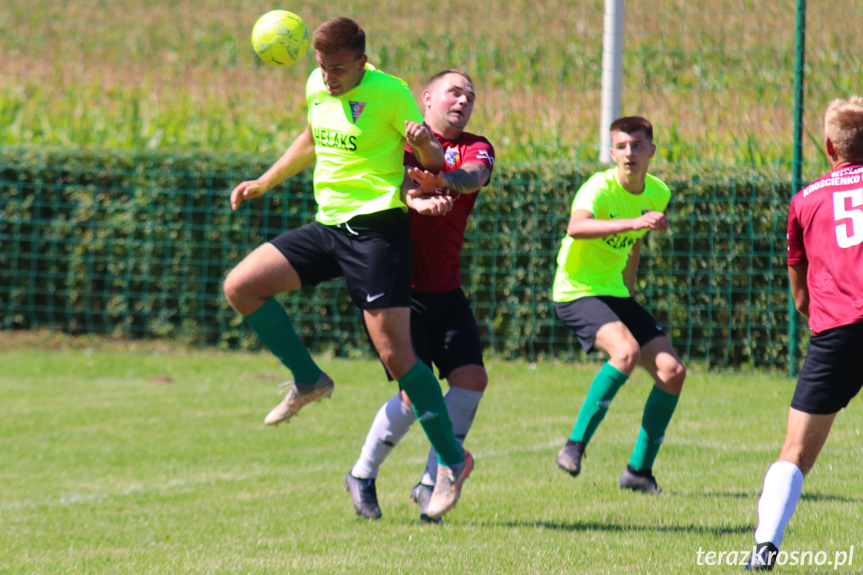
(783, 482)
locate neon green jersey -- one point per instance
(359, 144)
(593, 267)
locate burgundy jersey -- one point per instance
(438, 240)
(825, 230)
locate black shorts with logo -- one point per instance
(372, 251)
(585, 315)
(831, 374)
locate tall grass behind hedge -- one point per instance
(715, 78)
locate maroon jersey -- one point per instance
(825, 230)
(438, 240)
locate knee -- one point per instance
(469, 377)
(481, 381)
(675, 377)
(397, 361)
(625, 358)
(232, 288)
(237, 291)
(477, 380)
(388, 357)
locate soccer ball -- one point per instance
(280, 38)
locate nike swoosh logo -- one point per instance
(370, 298)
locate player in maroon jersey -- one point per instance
(443, 328)
(825, 268)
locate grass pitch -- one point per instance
(118, 462)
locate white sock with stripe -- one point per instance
(393, 421)
(461, 405)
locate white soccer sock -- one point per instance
(782, 486)
(461, 405)
(393, 421)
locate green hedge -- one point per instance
(138, 245)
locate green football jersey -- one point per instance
(359, 144)
(594, 267)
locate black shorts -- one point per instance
(443, 331)
(585, 315)
(372, 251)
(831, 374)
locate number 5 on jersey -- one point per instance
(849, 234)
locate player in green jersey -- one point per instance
(593, 294)
(358, 121)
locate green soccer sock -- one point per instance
(273, 325)
(657, 414)
(599, 396)
(423, 389)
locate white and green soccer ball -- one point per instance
(280, 38)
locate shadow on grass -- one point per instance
(577, 526)
(829, 497)
(717, 494)
(817, 497)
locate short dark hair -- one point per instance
(337, 34)
(434, 79)
(632, 124)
